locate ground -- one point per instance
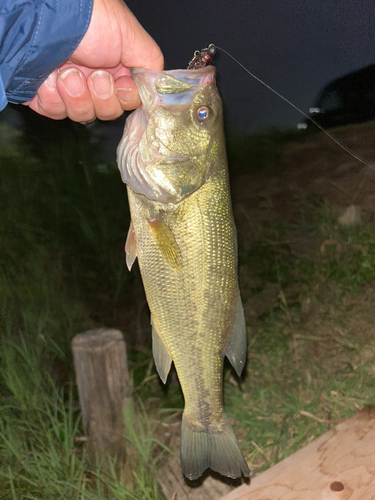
(306, 238)
(316, 166)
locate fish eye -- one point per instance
(203, 114)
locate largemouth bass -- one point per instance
(172, 157)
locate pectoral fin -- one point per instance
(162, 358)
(165, 240)
(131, 247)
(236, 351)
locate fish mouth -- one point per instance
(182, 80)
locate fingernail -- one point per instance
(102, 84)
(125, 95)
(88, 122)
(72, 81)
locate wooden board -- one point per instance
(340, 465)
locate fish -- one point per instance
(172, 157)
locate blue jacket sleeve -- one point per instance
(36, 36)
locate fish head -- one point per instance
(171, 141)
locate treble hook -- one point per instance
(202, 57)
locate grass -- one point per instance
(311, 359)
(62, 229)
(261, 149)
(308, 293)
(41, 446)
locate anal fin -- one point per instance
(162, 358)
(236, 351)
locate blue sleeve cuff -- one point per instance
(36, 37)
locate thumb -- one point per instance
(139, 49)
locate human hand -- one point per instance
(95, 81)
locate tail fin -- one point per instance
(219, 451)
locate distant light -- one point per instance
(302, 126)
(314, 110)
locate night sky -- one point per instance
(296, 46)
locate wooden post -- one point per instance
(103, 386)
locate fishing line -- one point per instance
(342, 146)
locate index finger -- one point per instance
(127, 93)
